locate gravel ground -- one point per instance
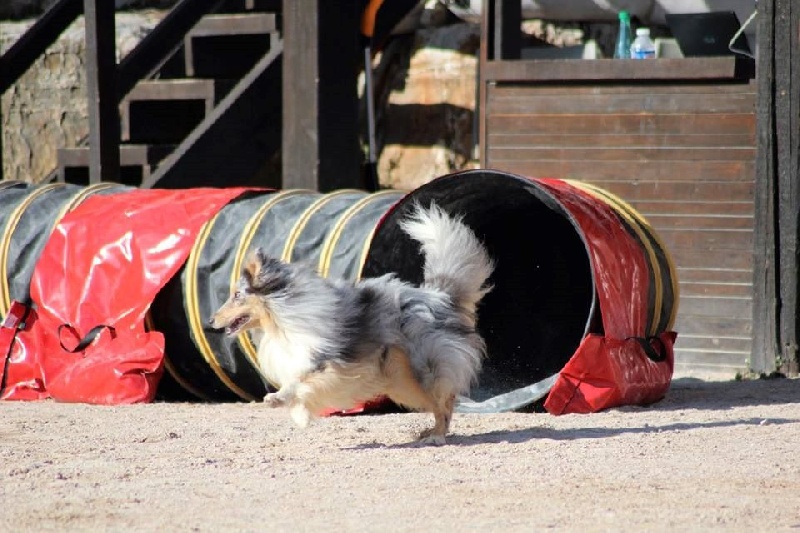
(711, 456)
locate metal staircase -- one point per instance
(199, 97)
(210, 115)
(219, 93)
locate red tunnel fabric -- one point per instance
(612, 369)
(99, 272)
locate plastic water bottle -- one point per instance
(643, 47)
(623, 48)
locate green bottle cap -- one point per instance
(625, 16)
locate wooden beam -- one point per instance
(101, 92)
(776, 309)
(322, 57)
(787, 129)
(565, 70)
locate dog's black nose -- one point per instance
(211, 321)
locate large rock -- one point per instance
(46, 109)
(426, 124)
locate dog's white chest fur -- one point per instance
(285, 360)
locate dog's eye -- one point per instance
(237, 295)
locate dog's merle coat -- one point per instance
(333, 343)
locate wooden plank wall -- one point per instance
(681, 154)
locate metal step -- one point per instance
(234, 24)
(166, 111)
(227, 46)
(237, 142)
(137, 163)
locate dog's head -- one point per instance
(262, 277)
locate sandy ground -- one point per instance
(712, 455)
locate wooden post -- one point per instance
(786, 60)
(776, 313)
(501, 38)
(101, 91)
(507, 29)
(485, 53)
(320, 100)
(765, 268)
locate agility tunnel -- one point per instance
(584, 293)
(27, 217)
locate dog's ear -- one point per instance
(265, 274)
(262, 257)
(252, 266)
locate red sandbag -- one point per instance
(607, 372)
(94, 282)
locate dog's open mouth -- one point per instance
(237, 325)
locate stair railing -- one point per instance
(105, 90)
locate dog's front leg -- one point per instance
(287, 396)
(284, 396)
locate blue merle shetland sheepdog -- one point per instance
(329, 343)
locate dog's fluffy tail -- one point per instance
(456, 262)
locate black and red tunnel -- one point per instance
(579, 274)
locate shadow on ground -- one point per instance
(690, 393)
(516, 436)
(685, 393)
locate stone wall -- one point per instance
(46, 109)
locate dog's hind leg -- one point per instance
(443, 415)
(402, 387)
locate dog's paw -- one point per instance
(301, 416)
(273, 399)
(427, 438)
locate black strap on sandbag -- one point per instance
(657, 356)
(88, 339)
